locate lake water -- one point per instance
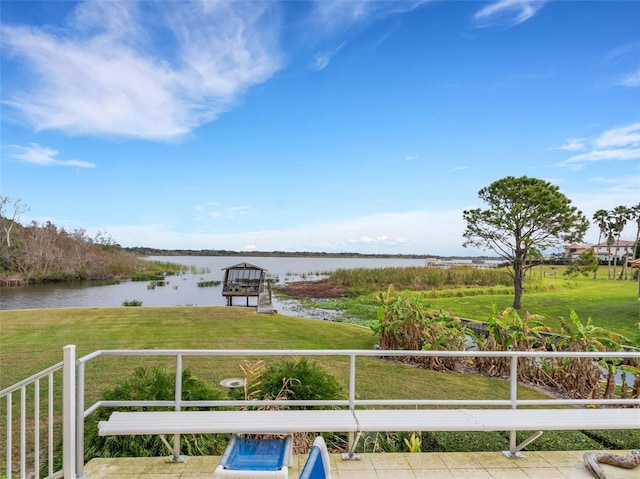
(183, 290)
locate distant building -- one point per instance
(603, 251)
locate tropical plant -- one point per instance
(507, 331)
(406, 323)
(523, 213)
(581, 377)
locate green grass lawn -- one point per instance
(32, 340)
(611, 304)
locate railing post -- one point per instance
(353, 437)
(513, 397)
(352, 381)
(69, 413)
(8, 443)
(176, 457)
(80, 421)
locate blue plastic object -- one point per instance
(247, 454)
(314, 467)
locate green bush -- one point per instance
(133, 302)
(154, 384)
(299, 379)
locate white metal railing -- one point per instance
(75, 411)
(177, 403)
(28, 462)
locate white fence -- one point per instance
(75, 411)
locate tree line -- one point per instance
(45, 252)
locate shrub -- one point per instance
(295, 380)
(133, 302)
(154, 384)
(299, 379)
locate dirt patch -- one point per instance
(312, 290)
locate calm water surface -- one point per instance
(183, 290)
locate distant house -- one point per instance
(603, 251)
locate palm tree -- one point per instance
(600, 217)
(610, 241)
(619, 216)
(635, 215)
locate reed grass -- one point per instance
(612, 304)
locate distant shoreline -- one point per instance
(144, 251)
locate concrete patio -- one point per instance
(463, 465)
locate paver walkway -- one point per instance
(450, 465)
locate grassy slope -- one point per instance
(33, 339)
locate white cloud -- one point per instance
(411, 157)
(41, 155)
(101, 76)
(332, 15)
(508, 12)
(572, 144)
(616, 144)
(623, 136)
(322, 59)
(421, 232)
(619, 154)
(631, 80)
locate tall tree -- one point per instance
(600, 217)
(523, 213)
(619, 217)
(635, 215)
(9, 219)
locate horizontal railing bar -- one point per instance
(220, 403)
(31, 379)
(357, 352)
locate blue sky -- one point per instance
(338, 126)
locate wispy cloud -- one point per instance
(572, 144)
(101, 76)
(41, 155)
(507, 13)
(631, 80)
(342, 18)
(333, 15)
(322, 59)
(411, 158)
(215, 210)
(616, 144)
